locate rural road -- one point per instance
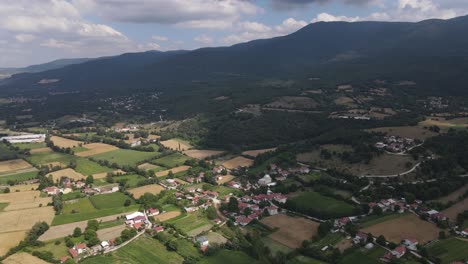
(394, 175)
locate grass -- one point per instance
(20, 177)
(125, 157)
(329, 239)
(228, 257)
(79, 149)
(308, 178)
(363, 256)
(31, 145)
(58, 251)
(190, 221)
(143, 250)
(449, 250)
(87, 167)
(275, 246)
(171, 161)
(2, 206)
(186, 249)
(316, 204)
(377, 219)
(112, 200)
(112, 223)
(72, 196)
(304, 260)
(131, 180)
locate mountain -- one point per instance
(43, 67)
(433, 53)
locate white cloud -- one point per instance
(290, 25)
(159, 38)
(255, 27)
(204, 39)
(24, 38)
(325, 17)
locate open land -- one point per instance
(110, 233)
(417, 132)
(226, 178)
(293, 102)
(96, 148)
(176, 144)
(139, 191)
(317, 204)
(449, 250)
(23, 257)
(125, 157)
(237, 162)
(167, 216)
(455, 209)
(65, 142)
(202, 154)
(454, 195)
(292, 230)
(171, 161)
(174, 170)
(40, 150)
(12, 166)
(69, 173)
(256, 152)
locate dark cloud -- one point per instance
(291, 4)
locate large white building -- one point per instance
(25, 138)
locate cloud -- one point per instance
(325, 17)
(24, 38)
(294, 4)
(159, 38)
(204, 39)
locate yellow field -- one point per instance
(22, 257)
(166, 216)
(23, 200)
(445, 123)
(13, 165)
(96, 148)
(64, 142)
(346, 101)
(40, 150)
(54, 164)
(417, 132)
(226, 178)
(292, 230)
(256, 152)
(110, 233)
(102, 175)
(146, 166)
(174, 170)
(238, 162)
(202, 154)
(153, 189)
(70, 173)
(175, 145)
(23, 187)
(9, 240)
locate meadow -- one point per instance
(112, 200)
(315, 204)
(171, 161)
(228, 257)
(190, 221)
(364, 256)
(125, 157)
(449, 250)
(18, 177)
(83, 166)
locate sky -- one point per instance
(38, 31)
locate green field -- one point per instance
(376, 219)
(229, 257)
(143, 250)
(449, 250)
(112, 200)
(31, 145)
(6, 153)
(186, 249)
(79, 149)
(364, 256)
(131, 179)
(18, 177)
(275, 246)
(190, 221)
(2, 206)
(83, 209)
(329, 239)
(304, 260)
(315, 204)
(125, 157)
(171, 161)
(87, 167)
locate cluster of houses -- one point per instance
(101, 190)
(280, 174)
(197, 199)
(68, 185)
(399, 205)
(395, 144)
(83, 249)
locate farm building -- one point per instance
(25, 138)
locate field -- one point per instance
(316, 203)
(409, 226)
(13, 166)
(191, 221)
(455, 209)
(304, 260)
(292, 230)
(111, 200)
(449, 250)
(147, 166)
(202, 154)
(446, 123)
(9, 240)
(275, 246)
(103, 175)
(95, 148)
(125, 157)
(153, 188)
(293, 102)
(18, 177)
(69, 173)
(167, 216)
(131, 180)
(417, 132)
(364, 256)
(23, 257)
(31, 146)
(176, 144)
(41, 150)
(171, 161)
(454, 195)
(345, 101)
(141, 251)
(110, 233)
(226, 178)
(23, 200)
(228, 257)
(174, 170)
(24, 187)
(64, 142)
(216, 238)
(256, 152)
(376, 219)
(237, 162)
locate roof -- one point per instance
(133, 215)
(80, 246)
(412, 240)
(400, 250)
(73, 252)
(159, 228)
(201, 239)
(137, 225)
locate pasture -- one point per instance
(31, 146)
(191, 221)
(364, 256)
(292, 230)
(69, 173)
(41, 150)
(23, 257)
(225, 179)
(20, 177)
(445, 123)
(176, 144)
(401, 228)
(417, 132)
(167, 216)
(111, 232)
(202, 154)
(103, 175)
(171, 161)
(455, 209)
(125, 157)
(65, 142)
(95, 148)
(13, 166)
(147, 166)
(226, 256)
(23, 200)
(174, 170)
(454, 195)
(131, 180)
(449, 250)
(256, 152)
(111, 200)
(315, 204)
(9, 240)
(139, 191)
(237, 162)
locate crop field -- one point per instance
(103, 175)
(376, 219)
(41, 150)
(449, 250)
(446, 123)
(110, 233)
(317, 204)
(9, 240)
(304, 260)
(345, 101)
(176, 144)
(13, 166)
(171, 161)
(95, 148)
(454, 195)
(400, 228)
(191, 221)
(125, 157)
(293, 102)
(202, 154)
(69, 173)
(229, 257)
(147, 166)
(131, 180)
(455, 209)
(19, 177)
(31, 146)
(111, 200)
(364, 256)
(23, 200)
(292, 230)
(216, 238)
(256, 152)
(24, 187)
(237, 162)
(64, 142)
(275, 246)
(226, 178)
(174, 170)
(23, 257)
(139, 191)
(417, 132)
(167, 216)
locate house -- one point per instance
(217, 221)
(304, 170)
(280, 198)
(342, 221)
(218, 169)
(138, 225)
(80, 248)
(243, 220)
(272, 210)
(465, 232)
(79, 184)
(158, 229)
(152, 212)
(97, 248)
(73, 253)
(105, 244)
(410, 243)
(360, 237)
(203, 240)
(66, 190)
(53, 190)
(438, 217)
(135, 218)
(25, 138)
(64, 259)
(266, 180)
(399, 251)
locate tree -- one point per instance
(127, 202)
(381, 240)
(377, 210)
(7, 190)
(89, 180)
(170, 175)
(211, 213)
(442, 235)
(93, 225)
(77, 232)
(233, 205)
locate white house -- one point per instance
(266, 180)
(25, 138)
(203, 240)
(411, 243)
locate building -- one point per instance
(360, 237)
(152, 212)
(411, 243)
(272, 210)
(399, 252)
(25, 138)
(203, 240)
(265, 181)
(53, 190)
